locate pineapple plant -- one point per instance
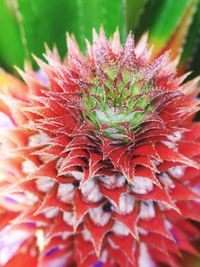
(100, 155)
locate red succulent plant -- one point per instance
(99, 159)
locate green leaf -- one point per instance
(168, 19)
(34, 22)
(31, 23)
(191, 51)
(163, 18)
(48, 21)
(179, 37)
(11, 48)
(28, 24)
(134, 9)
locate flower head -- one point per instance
(100, 158)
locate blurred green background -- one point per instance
(25, 25)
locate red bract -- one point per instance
(100, 159)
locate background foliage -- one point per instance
(27, 24)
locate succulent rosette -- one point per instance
(99, 159)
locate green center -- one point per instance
(116, 103)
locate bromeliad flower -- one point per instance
(99, 162)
